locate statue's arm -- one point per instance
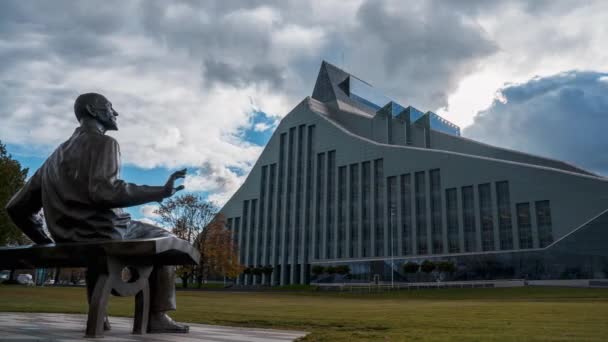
(23, 209)
(108, 191)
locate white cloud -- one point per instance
(219, 182)
(148, 211)
(185, 76)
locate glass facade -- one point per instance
(364, 93)
(524, 225)
(375, 100)
(543, 222)
(436, 212)
(354, 211)
(503, 203)
(487, 219)
(451, 204)
(468, 219)
(406, 214)
(365, 197)
(421, 213)
(440, 124)
(379, 207)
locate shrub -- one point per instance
(446, 267)
(318, 269)
(330, 269)
(427, 266)
(410, 267)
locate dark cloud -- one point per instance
(562, 116)
(418, 53)
(218, 72)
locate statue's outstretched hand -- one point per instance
(170, 188)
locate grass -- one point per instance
(513, 314)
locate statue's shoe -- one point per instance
(106, 324)
(162, 323)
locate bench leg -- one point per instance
(142, 310)
(98, 305)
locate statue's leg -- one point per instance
(162, 289)
(91, 276)
(97, 306)
(142, 310)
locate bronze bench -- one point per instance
(109, 258)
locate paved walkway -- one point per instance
(65, 327)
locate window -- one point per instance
(280, 197)
(298, 210)
(243, 233)
(406, 214)
(251, 231)
(309, 191)
(261, 227)
(524, 225)
(331, 196)
(341, 238)
(421, 213)
(320, 198)
(270, 229)
(451, 203)
(503, 203)
(391, 189)
(354, 210)
(543, 221)
(289, 193)
(379, 206)
(436, 213)
(468, 219)
(487, 220)
(365, 197)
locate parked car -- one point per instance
(25, 279)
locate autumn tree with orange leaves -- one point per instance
(219, 255)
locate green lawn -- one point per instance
(514, 314)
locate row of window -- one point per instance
(351, 211)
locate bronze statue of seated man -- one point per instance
(80, 191)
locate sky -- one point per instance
(203, 84)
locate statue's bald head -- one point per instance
(98, 107)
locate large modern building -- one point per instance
(352, 177)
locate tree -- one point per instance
(317, 270)
(186, 215)
(446, 267)
(12, 178)
(410, 267)
(427, 266)
(330, 270)
(219, 252)
(267, 270)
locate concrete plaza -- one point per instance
(70, 327)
